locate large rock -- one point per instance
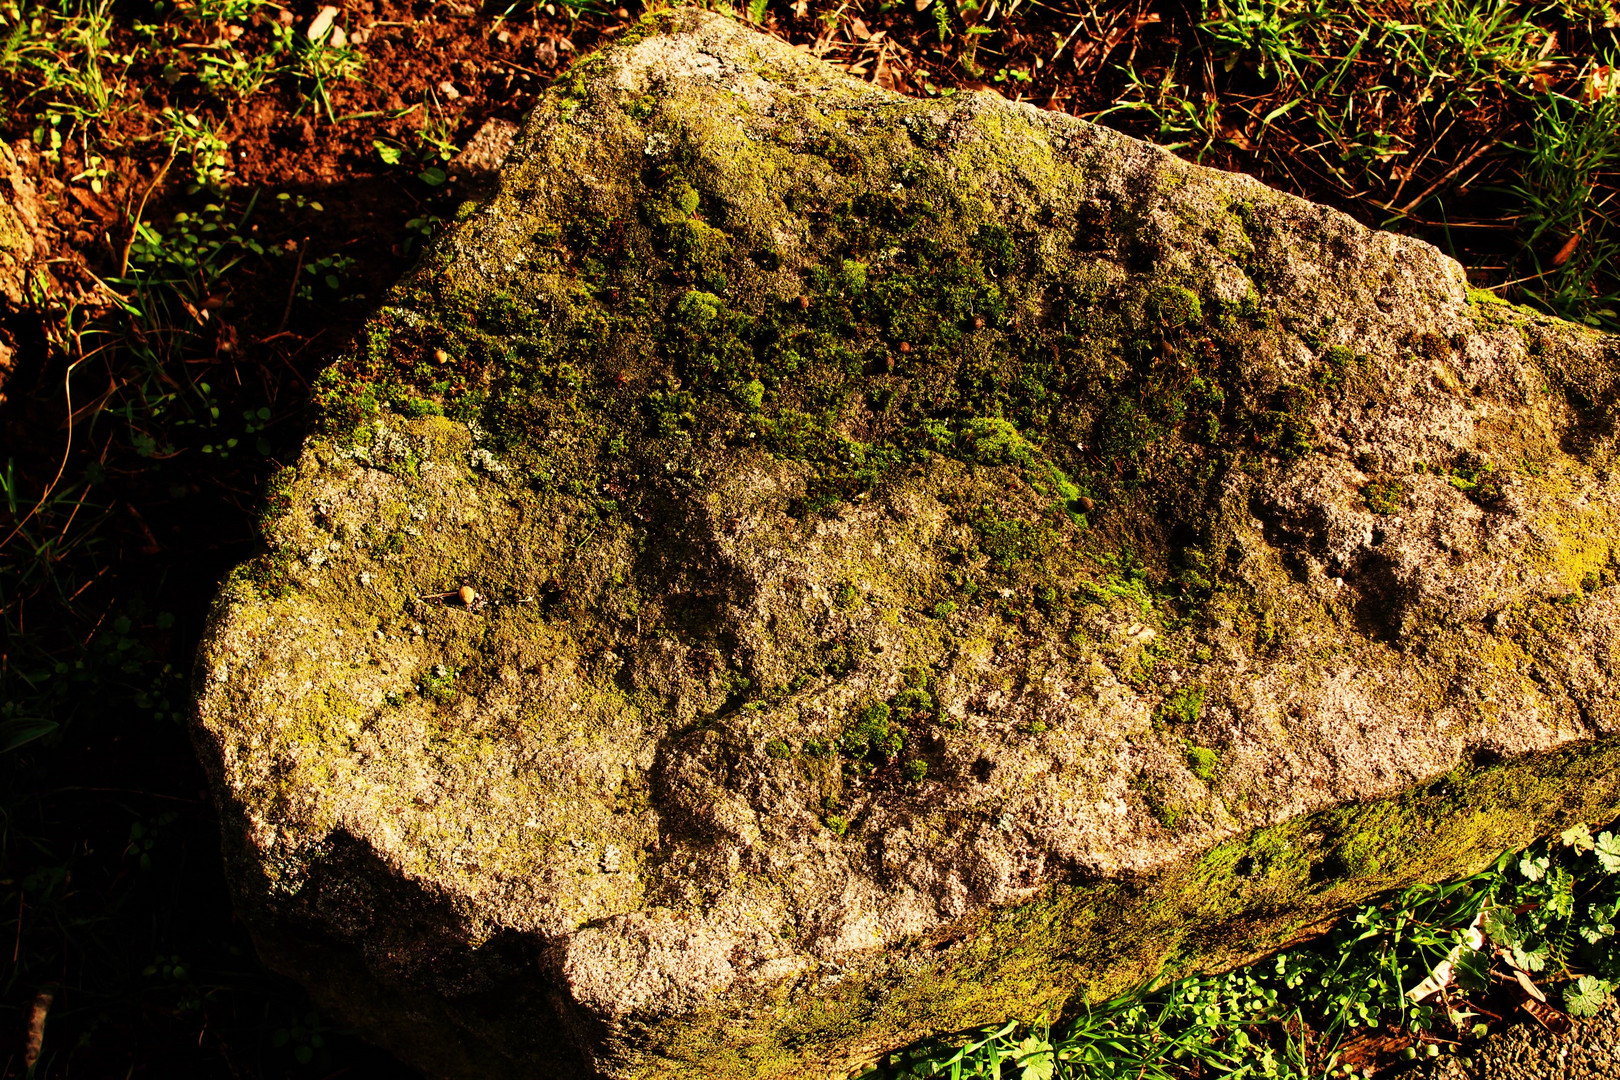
(933, 561)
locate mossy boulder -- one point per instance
(798, 568)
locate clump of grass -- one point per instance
(1394, 110)
(1570, 153)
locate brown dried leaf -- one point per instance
(1549, 1017)
(1602, 82)
(34, 1038)
(1527, 986)
(1561, 256)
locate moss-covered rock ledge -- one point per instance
(801, 568)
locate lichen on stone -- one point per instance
(925, 562)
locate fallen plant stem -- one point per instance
(292, 288)
(67, 391)
(1446, 176)
(140, 212)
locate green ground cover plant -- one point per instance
(1349, 1003)
(157, 392)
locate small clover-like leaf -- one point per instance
(1595, 932)
(1501, 927)
(1533, 867)
(1472, 970)
(1530, 959)
(1035, 1059)
(1577, 836)
(1585, 996)
(1607, 848)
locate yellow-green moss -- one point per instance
(1086, 943)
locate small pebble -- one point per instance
(468, 595)
(1085, 504)
(440, 355)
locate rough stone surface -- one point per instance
(20, 241)
(487, 149)
(930, 561)
(23, 251)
